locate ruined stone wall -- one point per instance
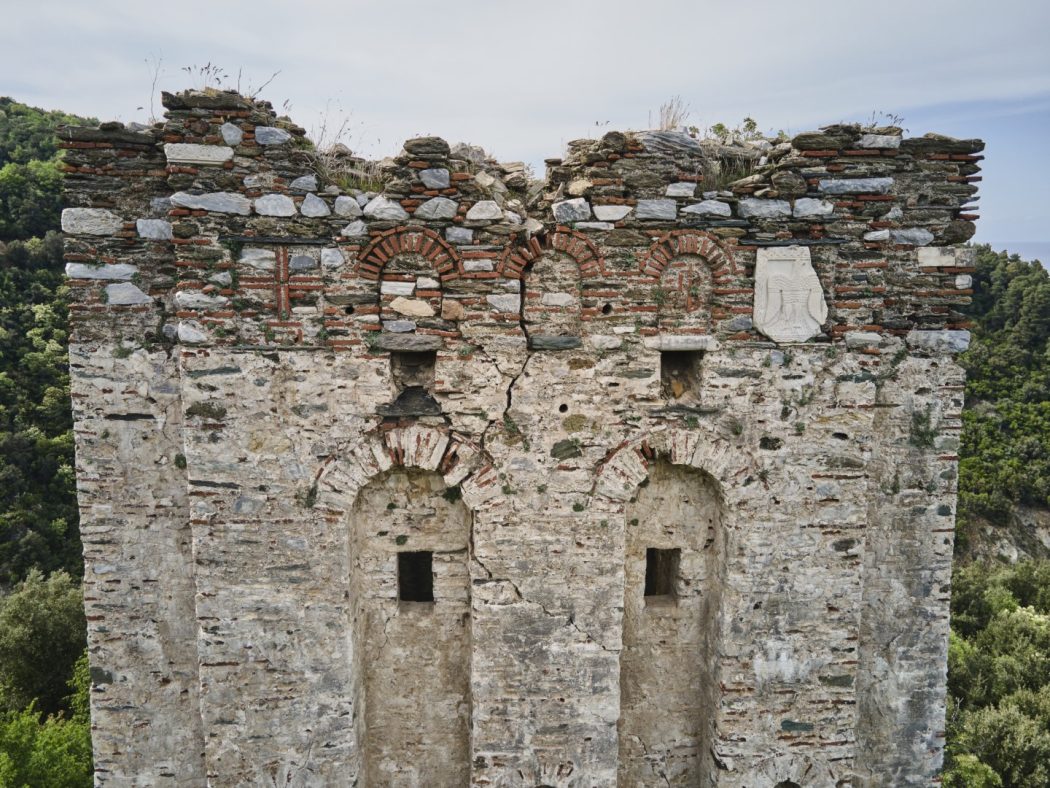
(643, 475)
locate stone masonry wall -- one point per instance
(641, 475)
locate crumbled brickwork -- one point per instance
(292, 393)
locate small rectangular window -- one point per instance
(661, 572)
(680, 374)
(415, 576)
(412, 369)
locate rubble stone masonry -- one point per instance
(430, 475)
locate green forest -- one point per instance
(999, 657)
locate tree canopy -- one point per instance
(1005, 454)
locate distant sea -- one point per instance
(1027, 250)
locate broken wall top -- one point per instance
(226, 220)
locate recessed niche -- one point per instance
(413, 369)
(412, 372)
(661, 572)
(674, 556)
(680, 374)
(415, 576)
(409, 607)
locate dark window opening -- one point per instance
(787, 784)
(413, 369)
(680, 374)
(661, 571)
(415, 576)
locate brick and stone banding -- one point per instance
(525, 383)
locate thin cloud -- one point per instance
(523, 80)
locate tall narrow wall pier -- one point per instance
(424, 473)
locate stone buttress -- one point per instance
(430, 474)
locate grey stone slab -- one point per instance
(755, 208)
(485, 210)
(332, 258)
(554, 342)
(939, 341)
(185, 153)
(271, 135)
(434, 178)
(568, 211)
(159, 206)
(604, 342)
(195, 299)
(314, 207)
(557, 299)
(223, 279)
(275, 205)
(154, 229)
(505, 303)
(119, 271)
(887, 141)
(347, 207)
(437, 208)
(611, 213)
(126, 294)
(914, 236)
(413, 401)
(681, 342)
(302, 262)
(219, 202)
(190, 332)
(397, 288)
(231, 134)
(811, 208)
(91, 221)
(385, 209)
(856, 185)
(260, 258)
(681, 189)
(459, 235)
(709, 208)
(355, 229)
(409, 342)
(862, 339)
(304, 183)
(656, 209)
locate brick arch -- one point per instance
(719, 257)
(515, 258)
(438, 449)
(704, 448)
(409, 240)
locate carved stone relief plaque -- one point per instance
(789, 301)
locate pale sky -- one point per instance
(523, 78)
